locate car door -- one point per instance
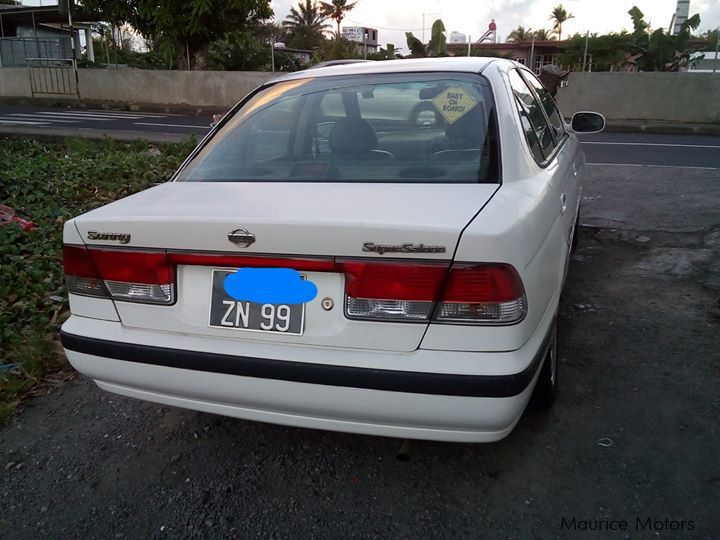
(550, 150)
(569, 157)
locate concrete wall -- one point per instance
(14, 82)
(196, 88)
(671, 97)
(180, 88)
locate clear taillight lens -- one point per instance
(374, 309)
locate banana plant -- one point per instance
(659, 51)
(436, 47)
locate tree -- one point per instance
(520, 34)
(543, 35)
(658, 51)
(306, 25)
(711, 37)
(336, 10)
(604, 51)
(185, 28)
(559, 16)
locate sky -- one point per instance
(473, 16)
(394, 17)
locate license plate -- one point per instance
(226, 312)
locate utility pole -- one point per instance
(532, 54)
(423, 24)
(587, 38)
(469, 42)
(72, 46)
(717, 51)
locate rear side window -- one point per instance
(390, 128)
(537, 131)
(557, 124)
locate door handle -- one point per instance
(563, 203)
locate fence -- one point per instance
(50, 76)
(14, 51)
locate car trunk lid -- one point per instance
(412, 222)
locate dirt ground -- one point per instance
(632, 444)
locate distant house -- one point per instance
(366, 39)
(302, 55)
(534, 55)
(40, 32)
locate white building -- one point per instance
(367, 37)
(457, 37)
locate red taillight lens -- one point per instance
(238, 261)
(398, 281)
(76, 262)
(482, 293)
(148, 267)
(483, 283)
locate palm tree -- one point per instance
(306, 25)
(336, 10)
(559, 16)
(520, 34)
(543, 35)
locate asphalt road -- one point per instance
(606, 148)
(54, 118)
(654, 150)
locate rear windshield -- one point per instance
(397, 128)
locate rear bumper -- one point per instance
(481, 404)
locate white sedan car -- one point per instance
(321, 260)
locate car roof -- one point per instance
(469, 64)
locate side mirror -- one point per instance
(587, 122)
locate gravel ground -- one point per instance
(633, 437)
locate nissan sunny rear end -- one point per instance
(374, 248)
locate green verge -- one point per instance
(49, 184)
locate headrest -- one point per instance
(470, 128)
(352, 136)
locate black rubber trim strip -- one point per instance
(414, 382)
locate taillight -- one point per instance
(80, 274)
(467, 293)
(391, 291)
(461, 293)
(133, 276)
(482, 293)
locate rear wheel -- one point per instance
(546, 388)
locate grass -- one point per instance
(49, 184)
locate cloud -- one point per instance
(269, 286)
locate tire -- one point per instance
(546, 388)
